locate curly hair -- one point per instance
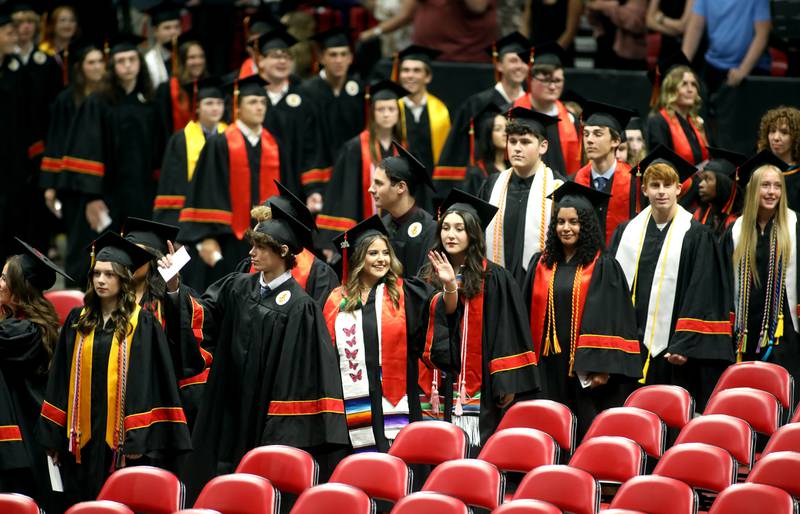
(472, 273)
(31, 305)
(669, 90)
(773, 119)
(352, 288)
(263, 240)
(126, 304)
(590, 239)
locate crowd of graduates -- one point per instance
(360, 256)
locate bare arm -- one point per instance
(525, 20)
(693, 35)
(477, 6)
(574, 11)
(403, 17)
(630, 17)
(754, 53)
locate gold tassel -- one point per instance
(644, 370)
(779, 329)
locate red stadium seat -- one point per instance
(474, 482)
(527, 507)
(64, 301)
(787, 438)
(144, 489)
(759, 408)
(621, 511)
(99, 507)
(727, 432)
(379, 475)
(656, 495)
(430, 442)
(699, 465)
(673, 404)
(753, 498)
(548, 416)
(333, 499)
(778, 469)
(570, 489)
(430, 503)
(610, 459)
(765, 376)
(198, 511)
(12, 503)
(519, 449)
(289, 469)
(796, 416)
(639, 425)
(241, 493)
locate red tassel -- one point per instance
(530, 69)
(472, 142)
(235, 99)
(494, 62)
(314, 60)
(246, 29)
(732, 198)
(638, 189)
(395, 67)
(580, 135)
(345, 246)
(174, 56)
(656, 91)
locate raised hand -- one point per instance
(444, 270)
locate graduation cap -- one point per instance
(533, 120)
(164, 11)
(78, 48)
(251, 86)
(125, 42)
(333, 38)
(112, 247)
(512, 43)
(419, 53)
(663, 67)
(5, 16)
(724, 161)
(17, 7)
(662, 154)
(149, 233)
(387, 90)
(209, 87)
(571, 96)
(404, 166)
(605, 115)
(635, 123)
(276, 39)
(261, 22)
(459, 200)
(286, 230)
(343, 242)
(762, 158)
(37, 268)
(550, 53)
(287, 201)
(572, 194)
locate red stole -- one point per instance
(269, 172)
(567, 135)
(619, 206)
(680, 142)
(246, 69)
(181, 114)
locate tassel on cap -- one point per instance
(367, 109)
(656, 91)
(246, 29)
(106, 51)
(345, 246)
(472, 141)
(530, 69)
(235, 108)
(174, 57)
(395, 67)
(494, 62)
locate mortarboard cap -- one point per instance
(549, 53)
(419, 53)
(333, 38)
(662, 154)
(276, 39)
(535, 121)
(251, 86)
(571, 96)
(37, 268)
(368, 227)
(111, 247)
(635, 123)
(572, 194)
(125, 42)
(286, 230)
(164, 11)
(606, 115)
(404, 166)
(23, 7)
(287, 201)
(387, 90)
(762, 158)
(209, 87)
(149, 233)
(5, 16)
(724, 161)
(262, 21)
(459, 200)
(514, 43)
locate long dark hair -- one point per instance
(484, 144)
(79, 78)
(115, 91)
(472, 273)
(590, 239)
(183, 54)
(126, 304)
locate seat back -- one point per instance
(759, 408)
(12, 503)
(430, 503)
(333, 499)
(639, 425)
(796, 416)
(242, 493)
(656, 495)
(778, 469)
(519, 449)
(198, 511)
(764, 376)
(430, 442)
(291, 470)
(527, 507)
(474, 482)
(145, 489)
(64, 301)
(727, 432)
(749, 498)
(610, 459)
(699, 465)
(787, 438)
(548, 416)
(99, 507)
(570, 489)
(673, 404)
(379, 475)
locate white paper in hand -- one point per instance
(55, 476)
(179, 260)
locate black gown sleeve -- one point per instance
(321, 281)
(657, 132)
(173, 181)
(342, 207)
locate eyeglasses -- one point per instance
(549, 82)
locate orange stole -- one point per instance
(269, 171)
(181, 110)
(680, 142)
(619, 206)
(302, 270)
(567, 135)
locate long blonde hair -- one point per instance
(749, 237)
(352, 288)
(669, 90)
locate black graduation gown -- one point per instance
(419, 143)
(62, 115)
(657, 132)
(712, 215)
(274, 379)
(15, 460)
(321, 279)
(474, 179)
(701, 268)
(792, 178)
(607, 312)
(174, 179)
(151, 385)
(412, 236)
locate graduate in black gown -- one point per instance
(487, 152)
(761, 252)
(275, 376)
(380, 324)
(492, 358)
(112, 396)
(28, 333)
(521, 194)
(675, 270)
(719, 192)
(582, 321)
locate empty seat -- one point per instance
(656, 495)
(673, 404)
(765, 376)
(198, 511)
(144, 489)
(291, 470)
(787, 438)
(475, 482)
(12, 503)
(527, 507)
(430, 442)
(548, 416)
(701, 466)
(333, 499)
(64, 301)
(99, 507)
(610, 459)
(727, 432)
(570, 489)
(753, 498)
(622, 511)
(379, 475)
(430, 503)
(639, 425)
(519, 449)
(241, 493)
(759, 408)
(778, 469)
